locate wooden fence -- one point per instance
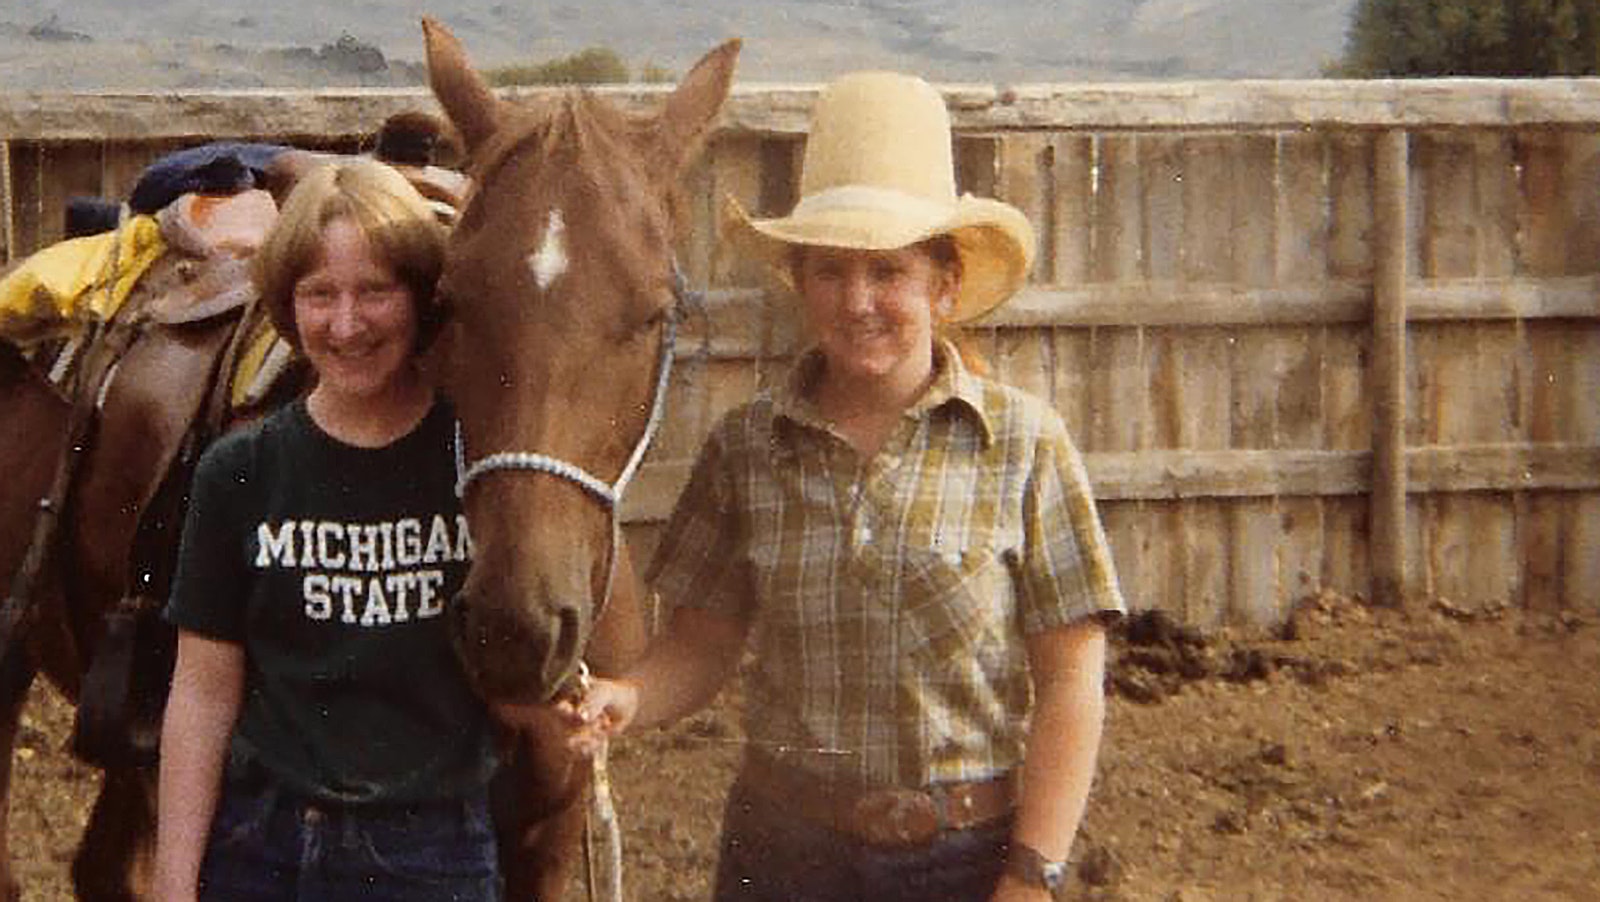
(1309, 335)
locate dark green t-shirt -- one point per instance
(332, 566)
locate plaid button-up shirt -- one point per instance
(889, 597)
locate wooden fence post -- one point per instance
(7, 218)
(1388, 501)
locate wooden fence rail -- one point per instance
(1310, 335)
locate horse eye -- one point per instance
(659, 317)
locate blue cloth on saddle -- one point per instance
(220, 167)
(91, 216)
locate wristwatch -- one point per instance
(1025, 863)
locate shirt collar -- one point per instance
(954, 386)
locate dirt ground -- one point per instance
(1354, 754)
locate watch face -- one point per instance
(1054, 874)
(1034, 868)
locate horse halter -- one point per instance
(608, 493)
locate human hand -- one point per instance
(604, 710)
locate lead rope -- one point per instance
(602, 830)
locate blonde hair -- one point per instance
(945, 251)
(397, 221)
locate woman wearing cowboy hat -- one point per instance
(910, 550)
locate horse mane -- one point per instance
(572, 128)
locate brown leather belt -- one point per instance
(885, 816)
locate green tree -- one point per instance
(1391, 38)
(593, 66)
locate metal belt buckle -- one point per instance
(896, 817)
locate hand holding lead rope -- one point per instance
(602, 834)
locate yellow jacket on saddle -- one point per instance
(57, 292)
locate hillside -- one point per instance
(82, 45)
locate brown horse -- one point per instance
(30, 443)
(562, 290)
(537, 313)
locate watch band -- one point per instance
(1031, 867)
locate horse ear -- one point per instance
(692, 107)
(461, 91)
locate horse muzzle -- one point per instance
(515, 653)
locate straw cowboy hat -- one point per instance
(878, 175)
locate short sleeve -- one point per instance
(1065, 571)
(699, 562)
(209, 586)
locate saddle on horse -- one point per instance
(156, 369)
(162, 346)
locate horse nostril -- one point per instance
(509, 653)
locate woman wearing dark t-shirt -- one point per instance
(321, 741)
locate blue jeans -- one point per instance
(269, 846)
(770, 855)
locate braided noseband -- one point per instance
(608, 493)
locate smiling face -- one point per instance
(872, 313)
(356, 320)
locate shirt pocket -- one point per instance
(956, 609)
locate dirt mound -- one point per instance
(1354, 753)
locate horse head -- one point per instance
(561, 290)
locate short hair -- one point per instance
(943, 249)
(397, 221)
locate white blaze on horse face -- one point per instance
(549, 262)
